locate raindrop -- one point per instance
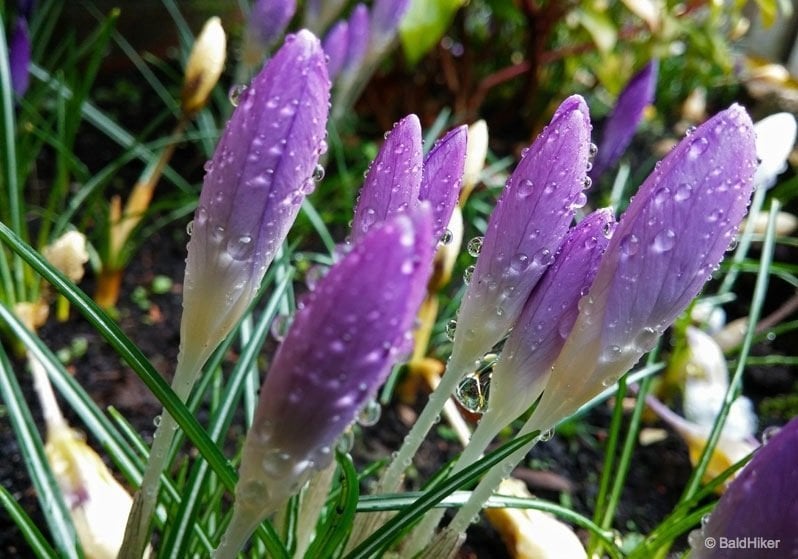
(732, 244)
(664, 241)
(235, 94)
(451, 326)
(370, 414)
(474, 246)
(581, 200)
(279, 326)
(546, 435)
(277, 463)
(189, 227)
(208, 166)
(647, 339)
(683, 192)
(468, 273)
(472, 392)
(318, 173)
(253, 491)
(705, 521)
(769, 433)
(697, 148)
(346, 442)
(447, 237)
(241, 247)
(588, 182)
(156, 420)
(593, 150)
(525, 188)
(543, 257)
(714, 215)
(519, 262)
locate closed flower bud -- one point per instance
(261, 172)
(345, 337)
(204, 66)
(19, 54)
(668, 243)
(335, 45)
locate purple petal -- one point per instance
(335, 45)
(254, 186)
(548, 317)
(19, 53)
(442, 177)
(760, 506)
(386, 16)
(622, 123)
(358, 38)
(525, 230)
(340, 348)
(269, 18)
(668, 242)
(394, 178)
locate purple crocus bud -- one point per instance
(756, 516)
(525, 231)
(269, 18)
(254, 186)
(393, 179)
(342, 343)
(621, 124)
(19, 53)
(668, 242)
(335, 45)
(442, 176)
(549, 315)
(385, 18)
(358, 38)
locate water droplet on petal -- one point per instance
(697, 148)
(769, 433)
(370, 414)
(546, 435)
(543, 257)
(468, 273)
(472, 392)
(519, 262)
(683, 192)
(664, 241)
(525, 188)
(156, 420)
(234, 94)
(474, 246)
(346, 442)
(189, 227)
(447, 237)
(279, 327)
(451, 326)
(318, 173)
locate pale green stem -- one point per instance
(137, 531)
(391, 479)
(489, 426)
(489, 483)
(241, 527)
(312, 502)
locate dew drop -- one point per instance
(543, 257)
(370, 414)
(588, 182)
(546, 435)
(346, 442)
(279, 327)
(451, 326)
(714, 215)
(190, 227)
(234, 94)
(208, 166)
(519, 262)
(318, 173)
(277, 463)
(697, 148)
(472, 392)
(468, 273)
(447, 237)
(525, 188)
(683, 192)
(593, 150)
(156, 421)
(664, 241)
(474, 246)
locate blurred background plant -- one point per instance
(95, 113)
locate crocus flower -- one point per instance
(204, 66)
(622, 122)
(525, 362)
(385, 18)
(756, 515)
(269, 19)
(525, 231)
(19, 53)
(668, 242)
(335, 45)
(359, 33)
(254, 186)
(398, 180)
(342, 343)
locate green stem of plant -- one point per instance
(594, 547)
(757, 300)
